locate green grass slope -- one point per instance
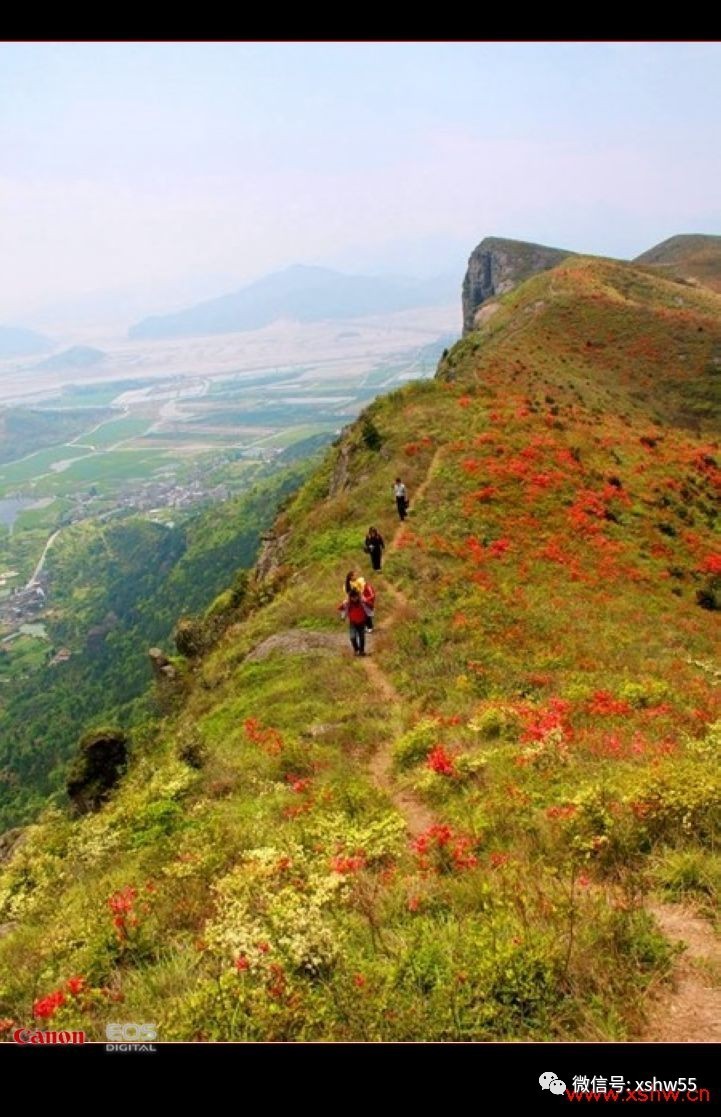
(454, 839)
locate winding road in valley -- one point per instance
(41, 562)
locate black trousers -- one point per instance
(375, 553)
(358, 637)
(401, 506)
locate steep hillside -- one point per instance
(455, 837)
(695, 258)
(116, 589)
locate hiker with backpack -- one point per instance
(358, 609)
(353, 610)
(401, 495)
(356, 581)
(368, 597)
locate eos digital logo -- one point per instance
(130, 1037)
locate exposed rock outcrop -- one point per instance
(298, 641)
(340, 478)
(163, 669)
(97, 768)
(497, 265)
(9, 842)
(270, 558)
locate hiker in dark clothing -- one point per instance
(353, 610)
(401, 495)
(374, 547)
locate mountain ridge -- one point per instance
(301, 292)
(692, 257)
(542, 685)
(76, 357)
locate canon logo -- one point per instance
(24, 1035)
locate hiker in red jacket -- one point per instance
(354, 611)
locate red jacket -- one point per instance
(354, 611)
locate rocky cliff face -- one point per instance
(497, 265)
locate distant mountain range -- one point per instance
(302, 294)
(77, 357)
(16, 342)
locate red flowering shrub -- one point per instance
(603, 704)
(348, 864)
(277, 981)
(48, 1006)
(269, 739)
(562, 812)
(299, 784)
(441, 762)
(122, 906)
(539, 721)
(499, 547)
(440, 850)
(711, 565)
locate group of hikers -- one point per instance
(358, 605)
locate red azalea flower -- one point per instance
(346, 865)
(48, 1006)
(441, 762)
(121, 902)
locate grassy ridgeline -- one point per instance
(553, 671)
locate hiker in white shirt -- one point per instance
(399, 492)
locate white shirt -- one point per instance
(399, 489)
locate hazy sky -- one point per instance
(182, 170)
